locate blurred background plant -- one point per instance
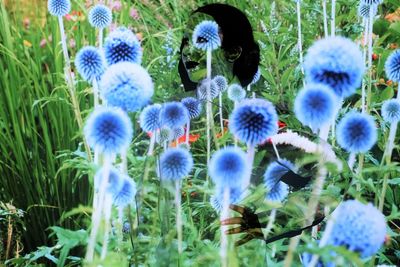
(44, 169)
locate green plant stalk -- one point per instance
(325, 19)
(208, 105)
(224, 238)
(221, 121)
(366, 33)
(311, 210)
(333, 15)
(250, 159)
(95, 93)
(187, 132)
(299, 41)
(101, 30)
(107, 220)
(369, 90)
(178, 214)
(96, 218)
(70, 84)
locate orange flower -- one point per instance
(27, 43)
(393, 17)
(192, 138)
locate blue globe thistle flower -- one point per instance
(174, 114)
(256, 77)
(356, 132)
(217, 199)
(391, 110)
(193, 106)
(364, 9)
(178, 132)
(228, 167)
(253, 121)
(59, 7)
(109, 130)
(126, 85)
(392, 66)
(175, 163)
(100, 16)
(165, 134)
(315, 105)
(337, 62)
(150, 118)
(205, 35)
(221, 82)
(122, 45)
(90, 63)
(115, 181)
(126, 194)
(236, 92)
(371, 2)
(358, 227)
(202, 90)
(277, 190)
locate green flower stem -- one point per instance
(187, 132)
(96, 93)
(178, 214)
(70, 84)
(300, 43)
(208, 105)
(369, 91)
(221, 121)
(107, 220)
(311, 209)
(325, 19)
(96, 217)
(250, 159)
(224, 237)
(101, 30)
(152, 143)
(271, 220)
(333, 14)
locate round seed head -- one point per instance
(236, 92)
(228, 167)
(202, 90)
(173, 115)
(126, 194)
(115, 181)
(206, 36)
(127, 85)
(150, 118)
(315, 106)
(59, 7)
(253, 121)
(356, 132)
(193, 106)
(90, 63)
(109, 130)
(277, 190)
(391, 110)
(221, 82)
(392, 66)
(122, 45)
(176, 163)
(100, 16)
(336, 62)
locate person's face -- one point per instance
(195, 60)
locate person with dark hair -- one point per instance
(237, 58)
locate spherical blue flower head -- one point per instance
(126, 228)
(109, 130)
(392, 66)
(253, 121)
(150, 118)
(127, 85)
(100, 16)
(202, 90)
(174, 114)
(236, 92)
(122, 45)
(228, 167)
(359, 227)
(178, 132)
(356, 132)
(126, 194)
(256, 77)
(221, 82)
(315, 105)
(59, 7)
(206, 36)
(277, 190)
(90, 63)
(372, 2)
(364, 9)
(217, 199)
(193, 106)
(165, 134)
(115, 181)
(391, 110)
(175, 163)
(337, 62)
